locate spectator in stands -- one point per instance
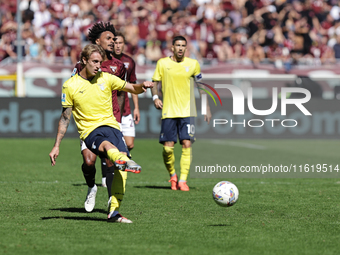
(34, 48)
(41, 17)
(255, 54)
(336, 48)
(6, 49)
(61, 52)
(320, 50)
(143, 26)
(212, 26)
(163, 29)
(153, 51)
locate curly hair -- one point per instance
(97, 29)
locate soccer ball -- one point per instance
(225, 193)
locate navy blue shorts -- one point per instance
(106, 133)
(183, 127)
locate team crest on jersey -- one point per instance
(126, 64)
(113, 68)
(187, 68)
(101, 86)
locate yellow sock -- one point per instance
(169, 159)
(118, 189)
(185, 163)
(115, 154)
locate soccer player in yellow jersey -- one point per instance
(88, 96)
(178, 108)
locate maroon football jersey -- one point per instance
(113, 66)
(130, 66)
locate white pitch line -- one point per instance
(240, 144)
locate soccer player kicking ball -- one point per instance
(103, 34)
(88, 96)
(178, 108)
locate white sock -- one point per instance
(93, 188)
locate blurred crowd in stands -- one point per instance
(280, 32)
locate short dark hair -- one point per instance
(118, 33)
(97, 29)
(178, 38)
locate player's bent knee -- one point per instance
(169, 144)
(130, 146)
(186, 143)
(88, 169)
(89, 158)
(105, 146)
(89, 164)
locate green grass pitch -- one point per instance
(42, 207)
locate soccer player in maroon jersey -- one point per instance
(103, 34)
(128, 121)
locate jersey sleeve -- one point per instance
(197, 72)
(157, 76)
(66, 96)
(116, 83)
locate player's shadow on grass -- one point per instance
(78, 210)
(84, 184)
(152, 187)
(156, 187)
(72, 218)
(220, 225)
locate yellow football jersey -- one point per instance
(177, 86)
(91, 101)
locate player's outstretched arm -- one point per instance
(64, 121)
(157, 102)
(138, 88)
(207, 117)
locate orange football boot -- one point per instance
(173, 181)
(183, 186)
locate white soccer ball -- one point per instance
(225, 193)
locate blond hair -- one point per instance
(89, 50)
